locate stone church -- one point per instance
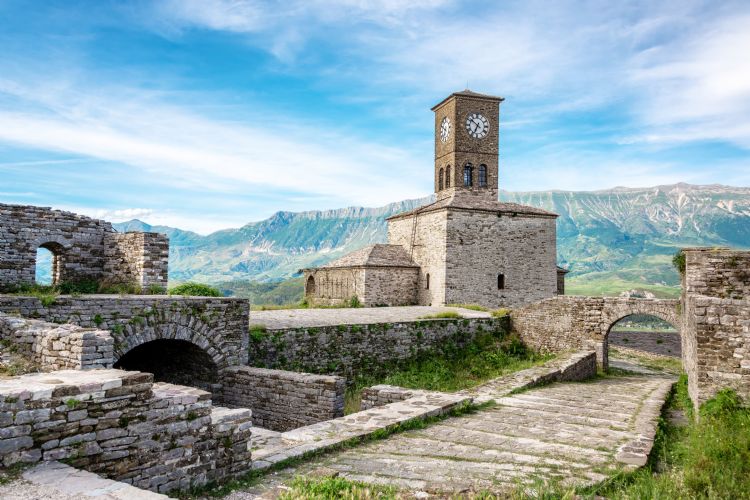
(466, 247)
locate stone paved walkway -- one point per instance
(299, 318)
(575, 433)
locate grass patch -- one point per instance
(337, 487)
(658, 363)
(443, 315)
(461, 368)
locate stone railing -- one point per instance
(58, 347)
(283, 400)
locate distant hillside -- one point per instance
(611, 240)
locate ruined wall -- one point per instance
(371, 348)
(717, 272)
(428, 251)
(219, 326)
(570, 322)
(139, 258)
(57, 347)
(283, 400)
(716, 328)
(483, 245)
(390, 286)
(119, 424)
(84, 249)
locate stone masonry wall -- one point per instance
(84, 249)
(522, 248)
(428, 251)
(335, 286)
(718, 346)
(57, 347)
(219, 326)
(347, 350)
(390, 286)
(283, 400)
(569, 322)
(717, 272)
(139, 258)
(120, 425)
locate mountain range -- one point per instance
(611, 240)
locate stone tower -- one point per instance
(466, 145)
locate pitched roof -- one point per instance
(480, 203)
(377, 255)
(469, 93)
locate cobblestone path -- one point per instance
(575, 433)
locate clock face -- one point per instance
(445, 129)
(477, 125)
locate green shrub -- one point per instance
(678, 261)
(79, 287)
(354, 302)
(195, 290)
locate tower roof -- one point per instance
(469, 93)
(479, 204)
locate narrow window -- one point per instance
(447, 177)
(440, 180)
(483, 176)
(427, 282)
(501, 282)
(468, 175)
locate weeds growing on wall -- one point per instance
(46, 293)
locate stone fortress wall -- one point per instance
(84, 249)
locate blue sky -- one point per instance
(206, 114)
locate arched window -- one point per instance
(440, 180)
(310, 286)
(468, 175)
(427, 282)
(49, 264)
(447, 177)
(501, 282)
(483, 176)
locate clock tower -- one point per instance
(466, 145)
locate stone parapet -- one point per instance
(347, 350)
(283, 400)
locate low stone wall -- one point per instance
(121, 425)
(219, 326)
(568, 368)
(58, 347)
(283, 400)
(580, 323)
(373, 348)
(717, 346)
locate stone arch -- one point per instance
(615, 310)
(58, 250)
(181, 327)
